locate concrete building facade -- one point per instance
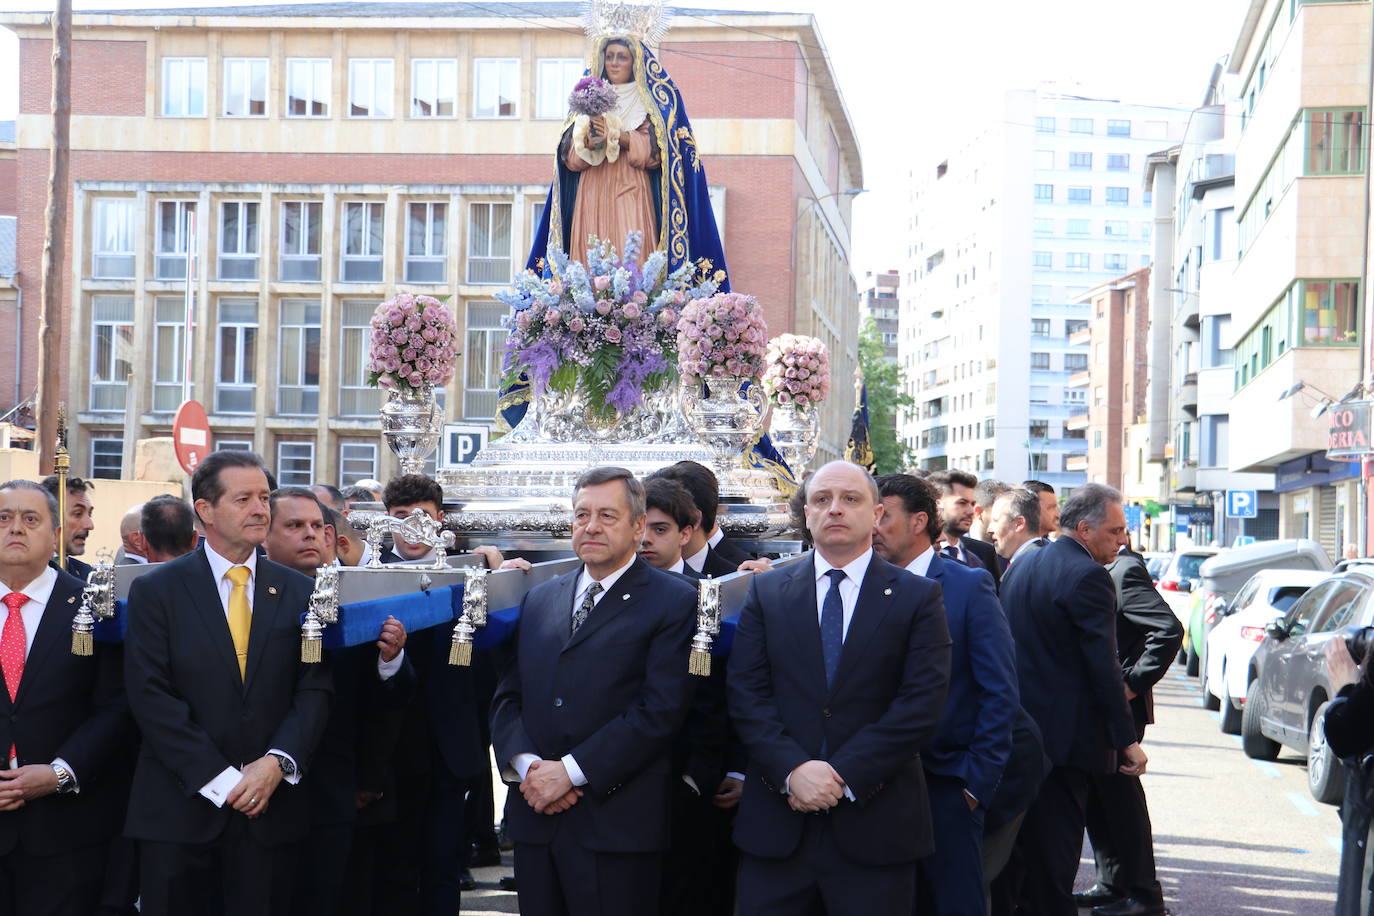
(1118, 375)
(878, 300)
(1009, 231)
(303, 163)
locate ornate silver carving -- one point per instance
(794, 431)
(417, 528)
(410, 423)
(726, 421)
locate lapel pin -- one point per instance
(71, 600)
(887, 591)
(624, 597)
(271, 589)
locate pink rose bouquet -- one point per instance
(414, 343)
(723, 335)
(798, 370)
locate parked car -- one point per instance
(1289, 684)
(1220, 577)
(1183, 568)
(1266, 597)
(1156, 564)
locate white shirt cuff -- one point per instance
(740, 776)
(76, 783)
(522, 763)
(691, 783)
(387, 670)
(218, 789)
(574, 771)
(295, 777)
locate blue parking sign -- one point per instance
(1242, 504)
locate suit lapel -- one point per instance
(267, 588)
(556, 622)
(936, 569)
(800, 618)
(206, 604)
(52, 626)
(627, 592)
(875, 600)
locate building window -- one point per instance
(1040, 327)
(1042, 259)
(364, 234)
(1040, 361)
(307, 87)
(183, 87)
(245, 87)
(370, 87)
(295, 464)
(1039, 429)
(1114, 261)
(1118, 197)
(1075, 396)
(1330, 312)
(1044, 125)
(298, 375)
(1080, 195)
(112, 238)
(1118, 162)
(174, 219)
(112, 346)
(1117, 228)
(556, 77)
(107, 457)
(238, 240)
(300, 240)
(1076, 260)
(1044, 192)
(238, 339)
(233, 445)
(433, 88)
(486, 340)
(426, 230)
(1080, 227)
(357, 461)
(169, 357)
(1099, 396)
(356, 397)
(1118, 128)
(1044, 226)
(497, 87)
(1073, 325)
(1080, 160)
(489, 243)
(1080, 125)
(1335, 142)
(1097, 438)
(1075, 362)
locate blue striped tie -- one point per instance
(832, 625)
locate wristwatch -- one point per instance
(288, 769)
(66, 782)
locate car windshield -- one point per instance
(1190, 563)
(1283, 597)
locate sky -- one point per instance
(914, 74)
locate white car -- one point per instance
(1265, 597)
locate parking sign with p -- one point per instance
(1242, 504)
(460, 444)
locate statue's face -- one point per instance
(619, 63)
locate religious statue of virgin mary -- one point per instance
(636, 169)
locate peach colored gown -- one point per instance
(614, 198)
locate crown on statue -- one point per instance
(646, 22)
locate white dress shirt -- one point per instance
(522, 762)
(716, 537)
(698, 560)
(679, 566)
(854, 572)
(39, 592)
(921, 565)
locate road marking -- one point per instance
(1214, 715)
(1301, 803)
(1335, 842)
(1267, 768)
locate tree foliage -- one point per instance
(886, 395)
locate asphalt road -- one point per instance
(1233, 837)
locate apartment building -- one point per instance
(1297, 307)
(878, 300)
(295, 165)
(1009, 232)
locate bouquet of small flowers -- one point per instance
(798, 370)
(414, 343)
(723, 335)
(608, 326)
(591, 97)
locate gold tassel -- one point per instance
(460, 654)
(312, 639)
(699, 663)
(310, 650)
(82, 643)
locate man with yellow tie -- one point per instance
(229, 714)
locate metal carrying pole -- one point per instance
(62, 465)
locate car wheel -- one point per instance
(1253, 741)
(1182, 654)
(1194, 663)
(1230, 713)
(1208, 700)
(1325, 773)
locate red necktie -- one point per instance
(13, 647)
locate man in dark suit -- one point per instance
(1014, 526)
(229, 714)
(169, 528)
(402, 496)
(1062, 609)
(837, 682)
(1147, 639)
(64, 725)
(965, 761)
(1049, 506)
(77, 524)
(585, 714)
(956, 517)
(133, 550)
(723, 558)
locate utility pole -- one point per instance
(54, 243)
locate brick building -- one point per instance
(879, 302)
(1118, 373)
(325, 156)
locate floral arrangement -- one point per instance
(592, 97)
(798, 370)
(414, 343)
(608, 326)
(722, 335)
